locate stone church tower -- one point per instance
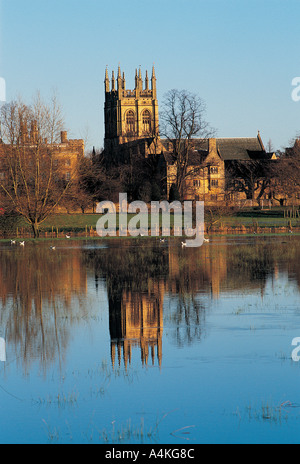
(130, 115)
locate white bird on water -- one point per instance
(13, 242)
(68, 236)
(183, 244)
(52, 248)
(22, 243)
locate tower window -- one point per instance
(146, 121)
(130, 122)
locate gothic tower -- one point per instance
(129, 115)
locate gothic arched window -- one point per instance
(130, 122)
(146, 121)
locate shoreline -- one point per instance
(242, 231)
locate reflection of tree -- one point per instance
(188, 317)
(137, 279)
(41, 290)
(36, 290)
(250, 266)
(190, 277)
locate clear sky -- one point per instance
(240, 56)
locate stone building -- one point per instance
(131, 116)
(132, 127)
(209, 165)
(66, 153)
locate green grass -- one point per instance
(75, 222)
(260, 221)
(71, 221)
(248, 218)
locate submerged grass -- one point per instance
(268, 412)
(59, 400)
(128, 432)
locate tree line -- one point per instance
(32, 184)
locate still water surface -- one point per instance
(135, 341)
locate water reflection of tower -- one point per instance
(197, 269)
(136, 320)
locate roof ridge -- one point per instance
(234, 138)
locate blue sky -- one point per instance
(240, 56)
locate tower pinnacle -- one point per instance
(106, 81)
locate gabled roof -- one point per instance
(241, 149)
(229, 149)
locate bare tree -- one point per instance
(183, 119)
(93, 183)
(31, 181)
(285, 173)
(270, 147)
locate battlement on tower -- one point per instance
(130, 114)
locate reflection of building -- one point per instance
(38, 273)
(204, 270)
(215, 269)
(45, 291)
(139, 283)
(73, 279)
(136, 320)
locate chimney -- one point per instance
(212, 146)
(64, 137)
(34, 132)
(23, 132)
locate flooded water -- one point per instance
(137, 341)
